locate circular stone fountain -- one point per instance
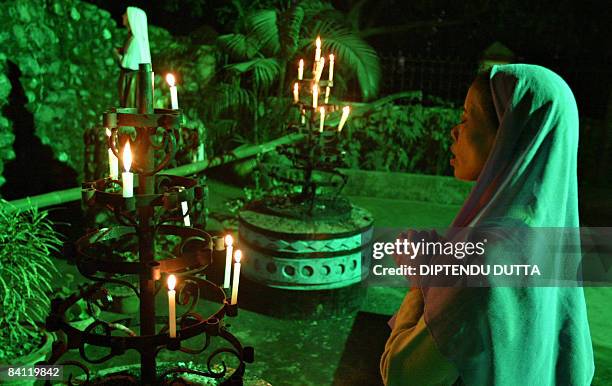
(305, 264)
(305, 254)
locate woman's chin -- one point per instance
(460, 175)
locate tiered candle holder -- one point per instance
(148, 214)
(308, 248)
(314, 178)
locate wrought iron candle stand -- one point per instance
(150, 213)
(314, 173)
(308, 249)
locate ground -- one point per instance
(342, 346)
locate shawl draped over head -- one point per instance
(138, 49)
(502, 335)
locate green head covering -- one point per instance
(521, 335)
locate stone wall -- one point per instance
(64, 52)
(6, 133)
(63, 49)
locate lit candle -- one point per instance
(318, 49)
(173, 92)
(229, 241)
(296, 93)
(315, 96)
(301, 70)
(126, 176)
(236, 281)
(319, 71)
(331, 67)
(171, 306)
(322, 121)
(327, 90)
(113, 161)
(303, 116)
(345, 113)
(185, 208)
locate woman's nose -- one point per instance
(454, 132)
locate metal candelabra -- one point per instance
(144, 218)
(313, 178)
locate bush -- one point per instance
(26, 269)
(408, 138)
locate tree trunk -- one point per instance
(281, 79)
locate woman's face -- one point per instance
(126, 23)
(473, 138)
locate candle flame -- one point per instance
(170, 79)
(346, 110)
(127, 157)
(229, 240)
(318, 42)
(108, 132)
(331, 57)
(238, 255)
(301, 63)
(171, 282)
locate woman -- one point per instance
(134, 51)
(518, 139)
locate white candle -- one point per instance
(113, 161)
(303, 117)
(315, 96)
(331, 67)
(296, 92)
(186, 219)
(201, 152)
(318, 49)
(171, 306)
(236, 281)
(327, 90)
(126, 176)
(345, 113)
(301, 70)
(322, 121)
(173, 92)
(319, 72)
(229, 241)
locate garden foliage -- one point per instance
(411, 137)
(27, 240)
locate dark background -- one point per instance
(570, 37)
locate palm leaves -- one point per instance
(260, 38)
(272, 34)
(290, 27)
(257, 56)
(264, 71)
(352, 52)
(238, 46)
